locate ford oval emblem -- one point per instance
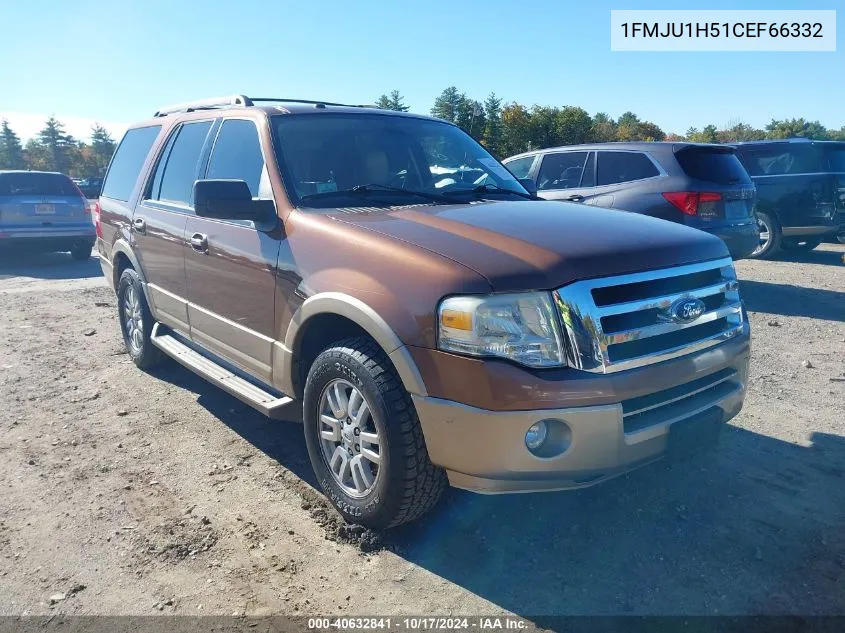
(686, 309)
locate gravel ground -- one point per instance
(131, 493)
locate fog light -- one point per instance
(536, 435)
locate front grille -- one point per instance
(677, 403)
(619, 323)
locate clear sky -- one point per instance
(117, 61)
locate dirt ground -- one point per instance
(129, 493)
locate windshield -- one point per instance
(712, 165)
(325, 155)
(36, 184)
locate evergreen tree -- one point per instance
(393, 101)
(11, 151)
(102, 148)
(59, 146)
(493, 124)
(446, 105)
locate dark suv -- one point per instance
(433, 327)
(703, 186)
(800, 191)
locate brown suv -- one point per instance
(437, 321)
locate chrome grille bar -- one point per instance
(653, 335)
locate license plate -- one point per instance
(694, 435)
(45, 209)
(736, 209)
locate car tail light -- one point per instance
(688, 201)
(85, 206)
(97, 225)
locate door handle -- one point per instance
(575, 197)
(199, 242)
(140, 225)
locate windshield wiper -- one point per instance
(488, 188)
(363, 190)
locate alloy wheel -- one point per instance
(133, 319)
(765, 236)
(349, 438)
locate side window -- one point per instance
(179, 167)
(521, 166)
(614, 167)
(561, 171)
(237, 154)
(128, 161)
(781, 159)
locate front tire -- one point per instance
(364, 438)
(770, 236)
(136, 320)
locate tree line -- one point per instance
(506, 129)
(53, 149)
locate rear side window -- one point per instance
(36, 184)
(616, 167)
(781, 159)
(712, 165)
(835, 156)
(179, 167)
(237, 154)
(128, 161)
(521, 166)
(561, 171)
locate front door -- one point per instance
(571, 177)
(230, 266)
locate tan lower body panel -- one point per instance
(484, 451)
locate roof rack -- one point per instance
(244, 102)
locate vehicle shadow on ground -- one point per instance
(662, 540)
(281, 440)
(47, 266)
(828, 254)
(789, 300)
(754, 527)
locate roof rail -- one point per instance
(244, 101)
(205, 104)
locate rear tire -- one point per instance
(770, 236)
(136, 321)
(81, 252)
(402, 484)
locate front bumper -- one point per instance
(484, 450)
(740, 239)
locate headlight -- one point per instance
(521, 327)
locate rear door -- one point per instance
(158, 226)
(230, 265)
(33, 202)
(792, 182)
(834, 154)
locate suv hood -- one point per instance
(540, 245)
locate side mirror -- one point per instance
(230, 200)
(529, 185)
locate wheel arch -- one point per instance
(343, 315)
(122, 258)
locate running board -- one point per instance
(248, 393)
